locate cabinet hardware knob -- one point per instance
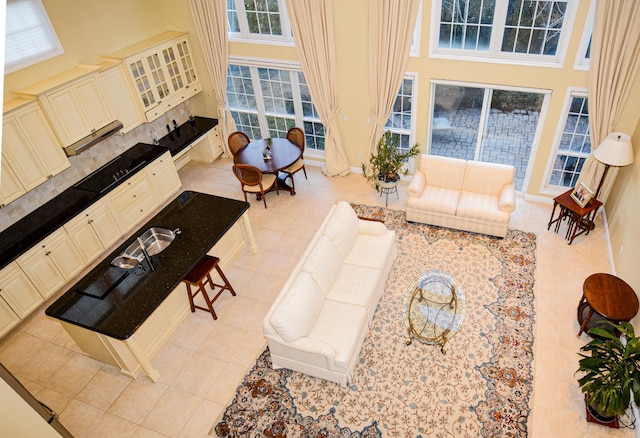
(47, 253)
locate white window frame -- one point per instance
(413, 76)
(256, 63)
(546, 187)
(286, 39)
(494, 54)
(45, 24)
(582, 62)
(415, 42)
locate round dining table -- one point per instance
(283, 154)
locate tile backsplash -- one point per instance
(88, 161)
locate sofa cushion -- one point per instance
(479, 206)
(416, 185)
(436, 200)
(444, 172)
(323, 263)
(297, 311)
(372, 251)
(342, 227)
(355, 285)
(487, 178)
(342, 326)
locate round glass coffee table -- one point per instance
(434, 308)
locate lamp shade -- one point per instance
(615, 150)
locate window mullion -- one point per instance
(257, 91)
(242, 18)
(497, 31)
(297, 98)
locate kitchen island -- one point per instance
(123, 316)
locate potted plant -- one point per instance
(612, 370)
(386, 164)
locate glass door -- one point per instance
(486, 124)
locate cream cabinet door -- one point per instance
(164, 177)
(18, 291)
(10, 187)
(104, 224)
(121, 98)
(84, 237)
(20, 155)
(8, 319)
(78, 109)
(132, 201)
(42, 139)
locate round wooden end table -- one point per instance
(608, 296)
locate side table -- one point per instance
(609, 296)
(579, 219)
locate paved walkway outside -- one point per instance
(508, 138)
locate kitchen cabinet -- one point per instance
(17, 291)
(131, 201)
(74, 102)
(164, 177)
(30, 146)
(93, 231)
(162, 72)
(52, 262)
(8, 318)
(10, 187)
(120, 96)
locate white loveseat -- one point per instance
(465, 195)
(319, 321)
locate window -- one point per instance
(507, 30)
(258, 20)
(267, 101)
(30, 38)
(584, 51)
(400, 122)
(574, 144)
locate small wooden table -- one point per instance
(579, 219)
(609, 296)
(283, 154)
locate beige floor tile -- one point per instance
(137, 400)
(172, 412)
(198, 374)
(224, 388)
(112, 426)
(81, 419)
(104, 388)
(75, 375)
(202, 420)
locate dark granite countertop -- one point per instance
(203, 219)
(187, 133)
(24, 234)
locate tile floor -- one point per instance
(204, 361)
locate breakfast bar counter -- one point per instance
(123, 316)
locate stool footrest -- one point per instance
(200, 277)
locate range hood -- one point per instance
(93, 139)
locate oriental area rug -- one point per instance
(481, 386)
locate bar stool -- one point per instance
(199, 277)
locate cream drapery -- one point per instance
(210, 18)
(391, 26)
(312, 27)
(615, 58)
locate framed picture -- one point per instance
(582, 194)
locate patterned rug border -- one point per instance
(496, 416)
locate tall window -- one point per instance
(266, 102)
(261, 20)
(502, 29)
(400, 122)
(574, 144)
(584, 51)
(30, 38)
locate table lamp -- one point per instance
(615, 150)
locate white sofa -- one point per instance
(465, 195)
(319, 321)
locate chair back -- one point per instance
(296, 136)
(247, 174)
(237, 140)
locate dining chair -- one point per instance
(237, 140)
(254, 181)
(296, 136)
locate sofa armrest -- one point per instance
(507, 199)
(416, 186)
(314, 346)
(372, 227)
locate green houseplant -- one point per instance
(386, 163)
(611, 370)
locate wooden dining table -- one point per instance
(283, 154)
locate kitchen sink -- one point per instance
(154, 240)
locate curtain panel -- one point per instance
(391, 26)
(615, 58)
(210, 17)
(312, 27)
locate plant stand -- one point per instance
(591, 419)
(388, 188)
